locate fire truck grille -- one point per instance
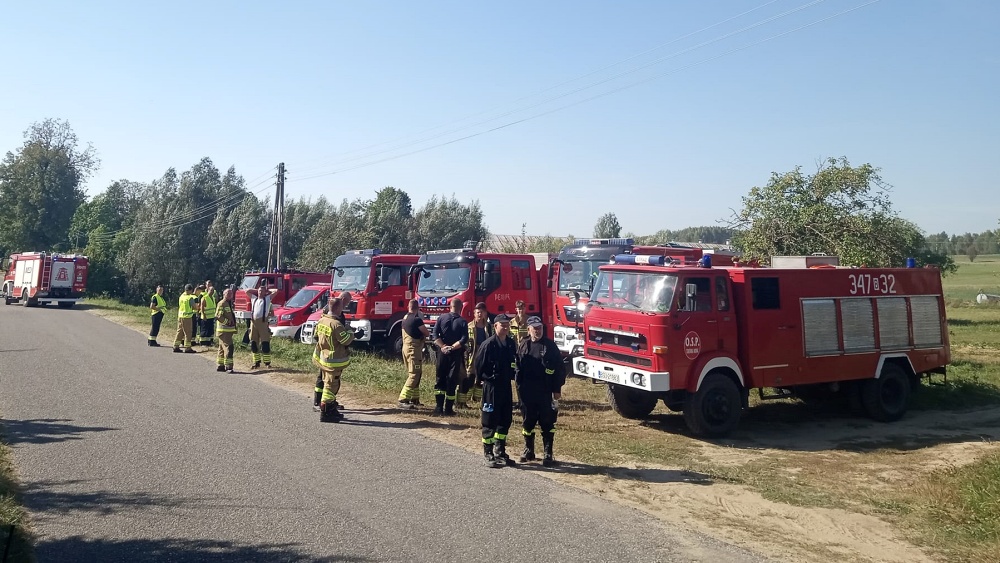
(603, 338)
(623, 358)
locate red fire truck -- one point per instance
(37, 278)
(379, 288)
(699, 338)
(499, 280)
(287, 282)
(572, 274)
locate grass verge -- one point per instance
(13, 518)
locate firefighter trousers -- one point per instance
(497, 411)
(538, 410)
(331, 384)
(207, 331)
(413, 357)
(185, 331)
(154, 330)
(226, 348)
(450, 372)
(260, 342)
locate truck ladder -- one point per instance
(46, 273)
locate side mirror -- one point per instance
(488, 267)
(340, 273)
(567, 267)
(426, 274)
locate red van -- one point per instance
(289, 318)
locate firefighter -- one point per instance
(451, 332)
(185, 320)
(331, 355)
(157, 306)
(415, 335)
(260, 333)
(540, 376)
(196, 321)
(519, 331)
(208, 305)
(479, 330)
(345, 299)
(495, 364)
(226, 321)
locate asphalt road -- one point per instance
(131, 453)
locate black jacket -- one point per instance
(540, 368)
(496, 360)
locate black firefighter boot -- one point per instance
(500, 453)
(317, 399)
(328, 413)
(490, 460)
(547, 439)
(439, 407)
(529, 448)
(449, 407)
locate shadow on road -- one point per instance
(647, 475)
(20, 350)
(44, 430)
(78, 548)
(436, 422)
(51, 496)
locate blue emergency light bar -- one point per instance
(603, 242)
(639, 259)
(451, 251)
(366, 252)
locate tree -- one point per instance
(839, 210)
(41, 187)
(607, 227)
(446, 223)
(971, 252)
(389, 220)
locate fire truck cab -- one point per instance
(499, 280)
(37, 278)
(699, 338)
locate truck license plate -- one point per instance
(608, 376)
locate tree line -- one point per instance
(202, 223)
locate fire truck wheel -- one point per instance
(715, 409)
(885, 399)
(631, 403)
(394, 343)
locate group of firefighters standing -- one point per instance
(477, 363)
(202, 313)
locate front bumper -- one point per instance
(308, 329)
(365, 324)
(284, 331)
(628, 376)
(568, 340)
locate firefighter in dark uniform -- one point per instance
(495, 365)
(157, 306)
(480, 329)
(451, 332)
(415, 335)
(540, 377)
(209, 303)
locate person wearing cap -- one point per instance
(495, 364)
(185, 320)
(540, 376)
(451, 332)
(479, 330)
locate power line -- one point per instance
(602, 94)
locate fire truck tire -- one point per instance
(631, 403)
(715, 409)
(394, 343)
(7, 299)
(24, 298)
(885, 399)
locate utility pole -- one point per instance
(281, 210)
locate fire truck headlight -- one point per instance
(581, 367)
(581, 306)
(639, 379)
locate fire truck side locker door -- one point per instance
(774, 332)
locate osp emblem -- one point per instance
(62, 274)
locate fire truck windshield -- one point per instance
(249, 282)
(355, 278)
(445, 279)
(301, 298)
(637, 291)
(580, 276)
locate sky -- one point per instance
(550, 114)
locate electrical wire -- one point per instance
(591, 98)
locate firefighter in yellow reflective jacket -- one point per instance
(157, 306)
(479, 330)
(225, 321)
(207, 307)
(185, 320)
(332, 356)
